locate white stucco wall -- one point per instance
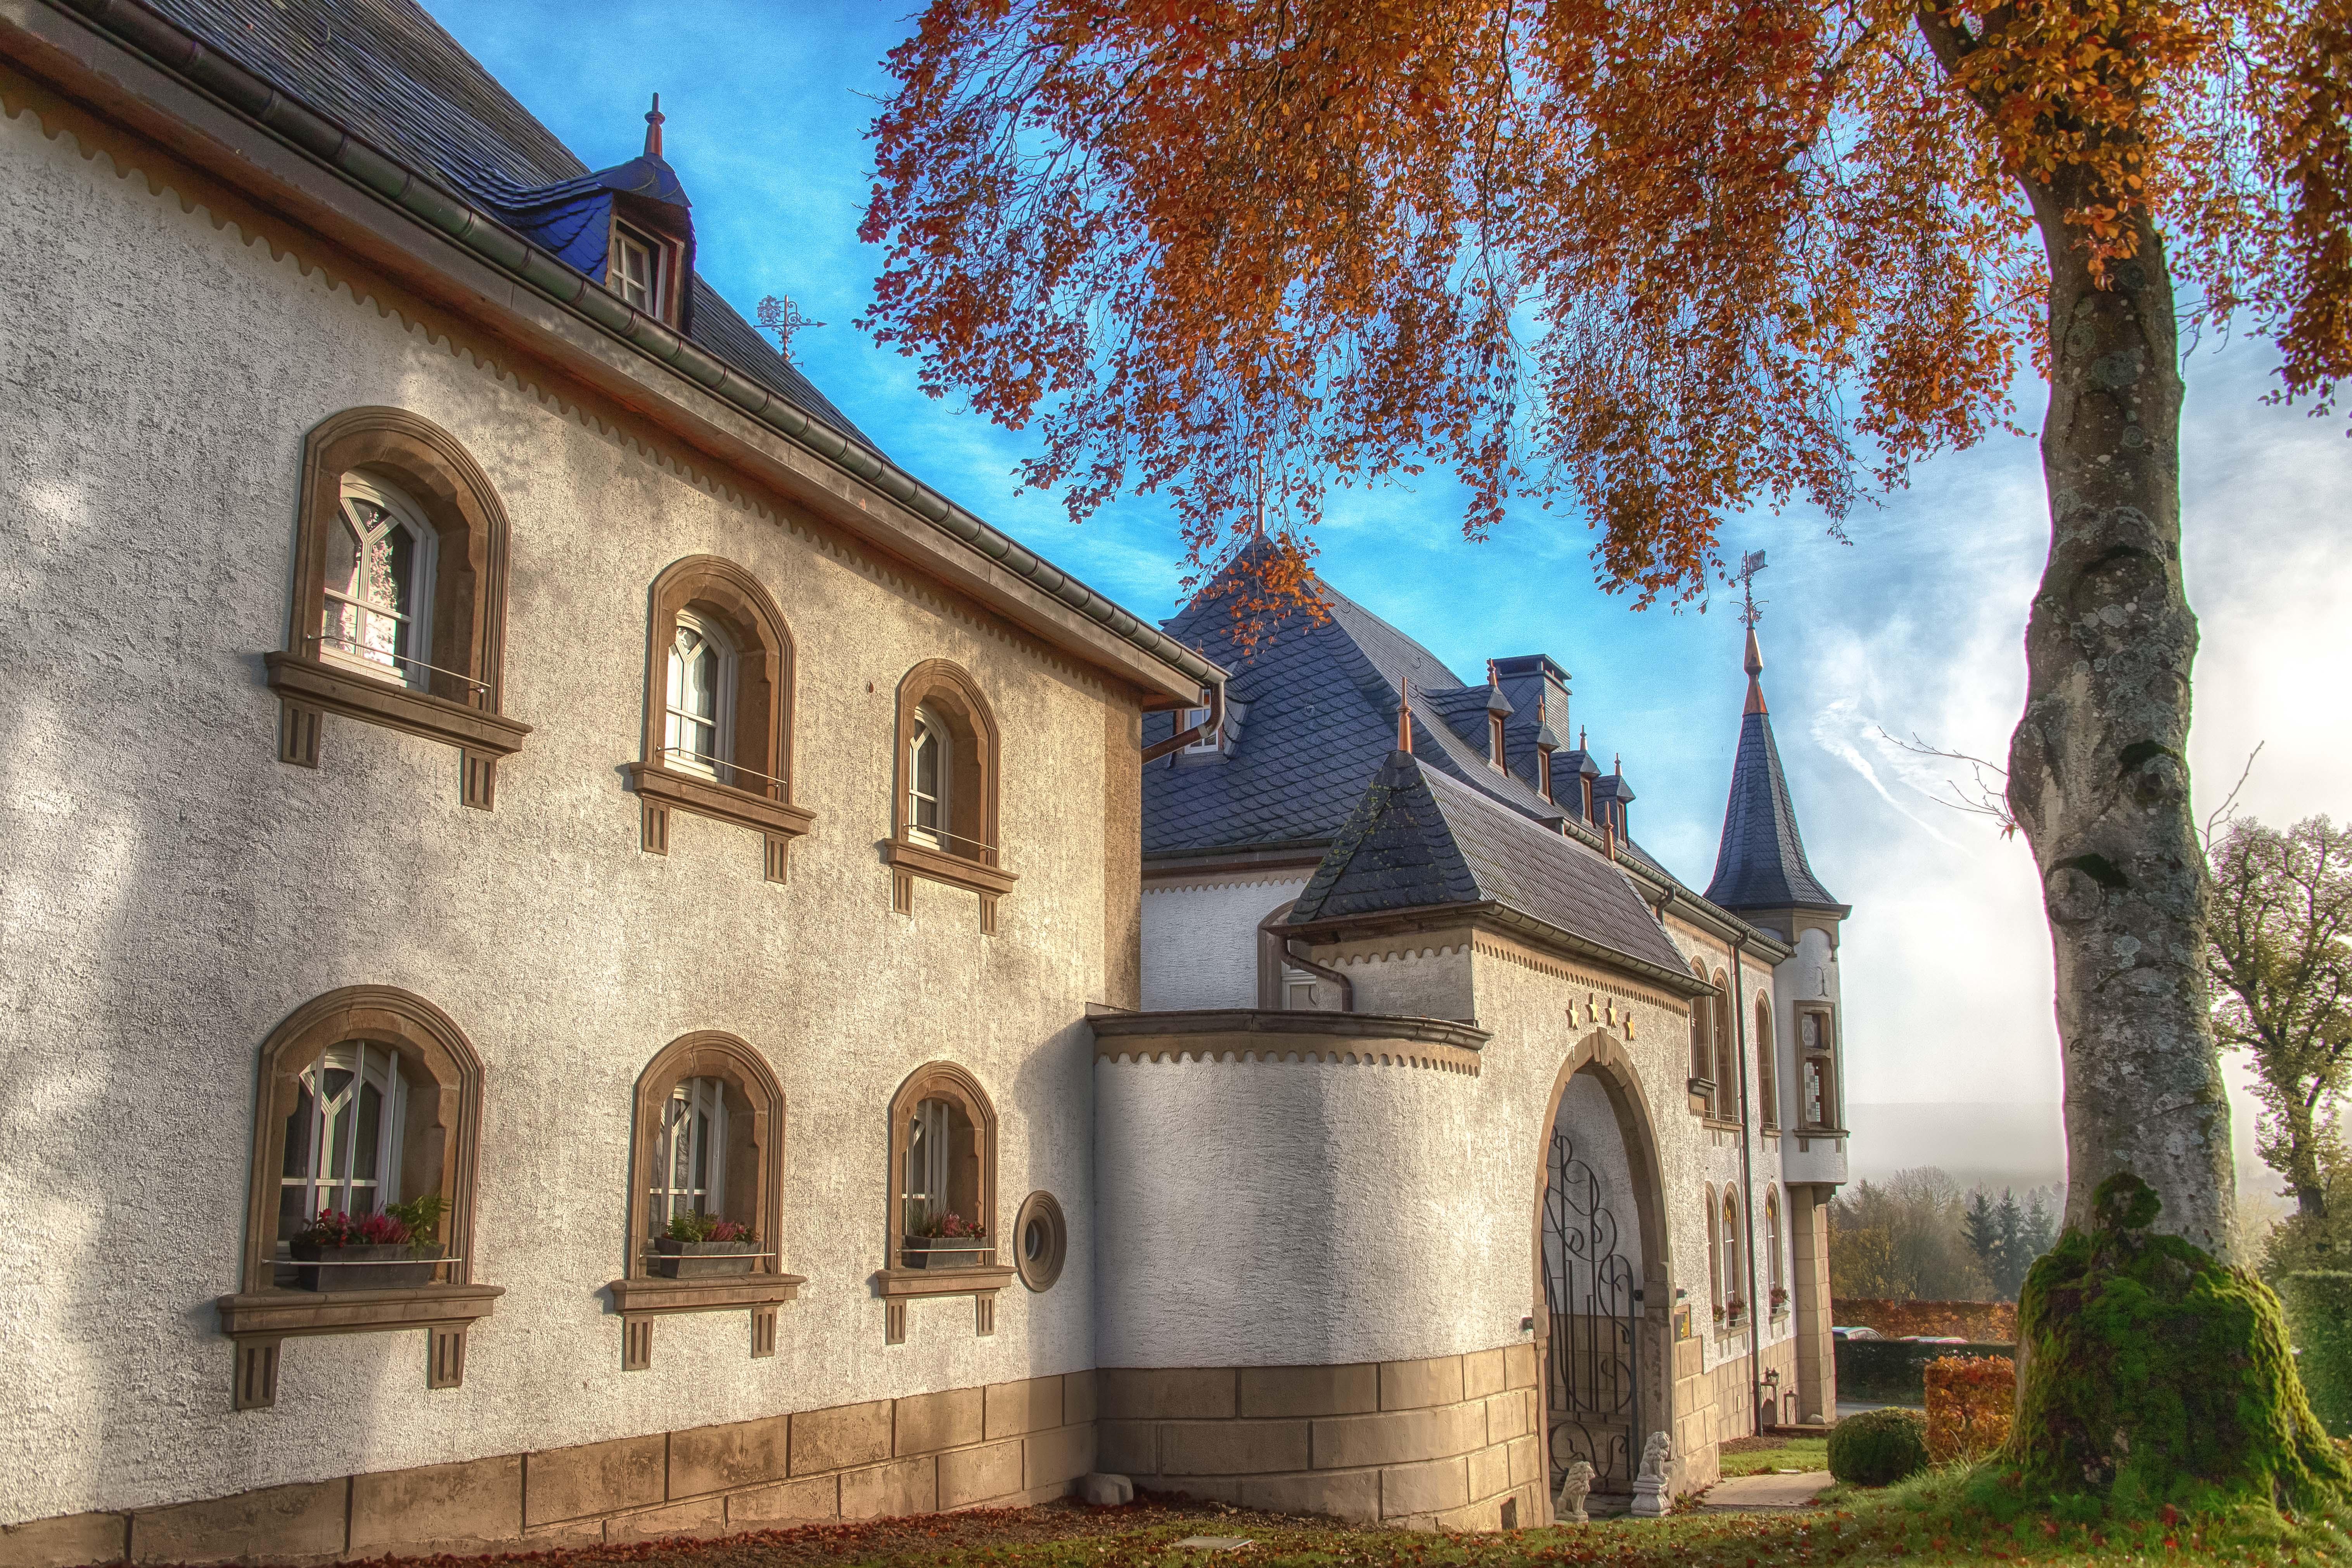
(1200, 941)
(169, 892)
(1302, 1213)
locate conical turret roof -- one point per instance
(1761, 862)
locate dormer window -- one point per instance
(1543, 772)
(1495, 743)
(1209, 741)
(638, 268)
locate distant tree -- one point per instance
(1982, 1229)
(2280, 952)
(1908, 1239)
(2040, 1232)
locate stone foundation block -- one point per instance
(721, 1458)
(819, 1497)
(974, 1475)
(1078, 1402)
(926, 1422)
(1233, 1448)
(840, 1437)
(1145, 1394)
(1490, 1472)
(1033, 1404)
(1509, 1415)
(903, 1486)
(1519, 1366)
(703, 1516)
(304, 1520)
(1201, 1488)
(1527, 1463)
(1411, 1385)
(1130, 1447)
(437, 1508)
(1059, 1456)
(66, 1542)
(596, 1477)
(1398, 1436)
(1310, 1390)
(1482, 1373)
(1426, 1489)
(1351, 1495)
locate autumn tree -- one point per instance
(1652, 261)
(2281, 958)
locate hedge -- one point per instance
(1894, 1372)
(2319, 1321)
(1970, 1400)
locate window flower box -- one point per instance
(700, 1259)
(382, 1267)
(947, 1251)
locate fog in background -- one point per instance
(1916, 627)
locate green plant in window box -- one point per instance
(947, 1241)
(702, 1247)
(397, 1249)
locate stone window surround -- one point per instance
(977, 865)
(260, 1315)
(1722, 1014)
(1702, 1085)
(981, 1281)
(718, 588)
(459, 706)
(1040, 1206)
(639, 1297)
(1826, 1058)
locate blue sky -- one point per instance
(1914, 626)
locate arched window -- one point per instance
(1779, 1292)
(942, 1211)
(1733, 1279)
(369, 1110)
(398, 611)
(706, 1204)
(943, 817)
(377, 611)
(1702, 1051)
(1768, 1066)
(719, 709)
(699, 723)
(1724, 1018)
(1712, 1216)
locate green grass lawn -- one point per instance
(1762, 1456)
(1927, 1522)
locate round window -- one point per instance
(1041, 1240)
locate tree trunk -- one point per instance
(2310, 1182)
(2099, 767)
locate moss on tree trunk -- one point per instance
(2159, 1375)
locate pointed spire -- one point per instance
(1761, 862)
(654, 118)
(1404, 713)
(1753, 665)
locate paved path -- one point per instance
(1743, 1493)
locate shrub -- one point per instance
(1878, 1447)
(2319, 1318)
(1971, 1400)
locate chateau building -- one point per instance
(590, 959)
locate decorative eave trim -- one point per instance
(1249, 1034)
(451, 216)
(1536, 932)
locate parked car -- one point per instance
(1858, 1332)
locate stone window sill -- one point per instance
(908, 861)
(979, 1282)
(307, 687)
(639, 1301)
(257, 1320)
(663, 790)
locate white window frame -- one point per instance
(1214, 741)
(323, 1187)
(696, 1113)
(643, 294)
(924, 1184)
(930, 730)
(413, 668)
(720, 722)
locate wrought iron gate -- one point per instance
(1592, 1391)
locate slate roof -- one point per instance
(1761, 862)
(386, 70)
(1322, 699)
(1417, 837)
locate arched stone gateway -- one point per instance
(1602, 1342)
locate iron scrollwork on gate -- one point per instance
(1592, 1391)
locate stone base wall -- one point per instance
(1715, 1404)
(1008, 1445)
(1449, 1443)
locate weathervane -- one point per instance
(1751, 609)
(784, 318)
